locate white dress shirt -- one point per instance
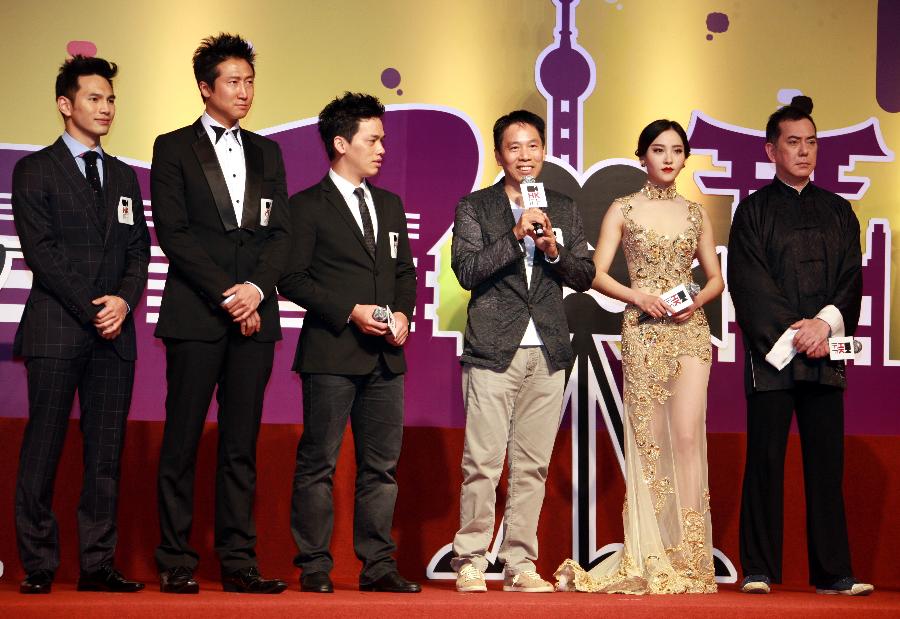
(230, 153)
(347, 188)
(531, 336)
(78, 150)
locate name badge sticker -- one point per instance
(265, 211)
(125, 211)
(394, 238)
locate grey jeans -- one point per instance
(515, 412)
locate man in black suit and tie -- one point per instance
(351, 268)
(220, 211)
(80, 220)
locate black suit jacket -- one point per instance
(489, 260)
(76, 255)
(330, 270)
(208, 250)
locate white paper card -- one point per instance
(783, 350)
(392, 322)
(126, 214)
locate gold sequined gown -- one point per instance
(668, 535)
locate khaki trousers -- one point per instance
(516, 413)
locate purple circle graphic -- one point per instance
(716, 22)
(400, 91)
(390, 78)
(709, 37)
(81, 48)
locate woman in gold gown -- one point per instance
(666, 362)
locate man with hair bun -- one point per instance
(794, 273)
(220, 210)
(80, 219)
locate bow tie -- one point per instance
(220, 131)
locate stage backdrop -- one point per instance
(598, 71)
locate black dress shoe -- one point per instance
(37, 582)
(179, 579)
(392, 582)
(107, 578)
(249, 580)
(316, 582)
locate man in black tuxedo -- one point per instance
(80, 220)
(350, 258)
(220, 211)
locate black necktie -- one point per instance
(220, 131)
(368, 229)
(90, 169)
(93, 177)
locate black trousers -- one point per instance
(104, 383)
(374, 405)
(240, 366)
(820, 420)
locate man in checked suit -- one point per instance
(350, 255)
(220, 211)
(80, 220)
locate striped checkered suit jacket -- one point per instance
(75, 254)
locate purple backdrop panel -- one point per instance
(433, 159)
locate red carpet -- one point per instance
(440, 600)
(426, 519)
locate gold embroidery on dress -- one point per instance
(650, 353)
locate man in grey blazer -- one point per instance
(517, 347)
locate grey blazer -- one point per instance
(489, 261)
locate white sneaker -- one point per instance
(526, 582)
(470, 579)
(846, 586)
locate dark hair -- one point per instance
(521, 117)
(215, 50)
(77, 66)
(799, 108)
(652, 131)
(342, 115)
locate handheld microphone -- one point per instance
(677, 298)
(534, 196)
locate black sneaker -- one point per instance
(756, 583)
(846, 586)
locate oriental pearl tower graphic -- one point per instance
(564, 73)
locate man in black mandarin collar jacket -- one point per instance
(794, 263)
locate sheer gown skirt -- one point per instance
(668, 534)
